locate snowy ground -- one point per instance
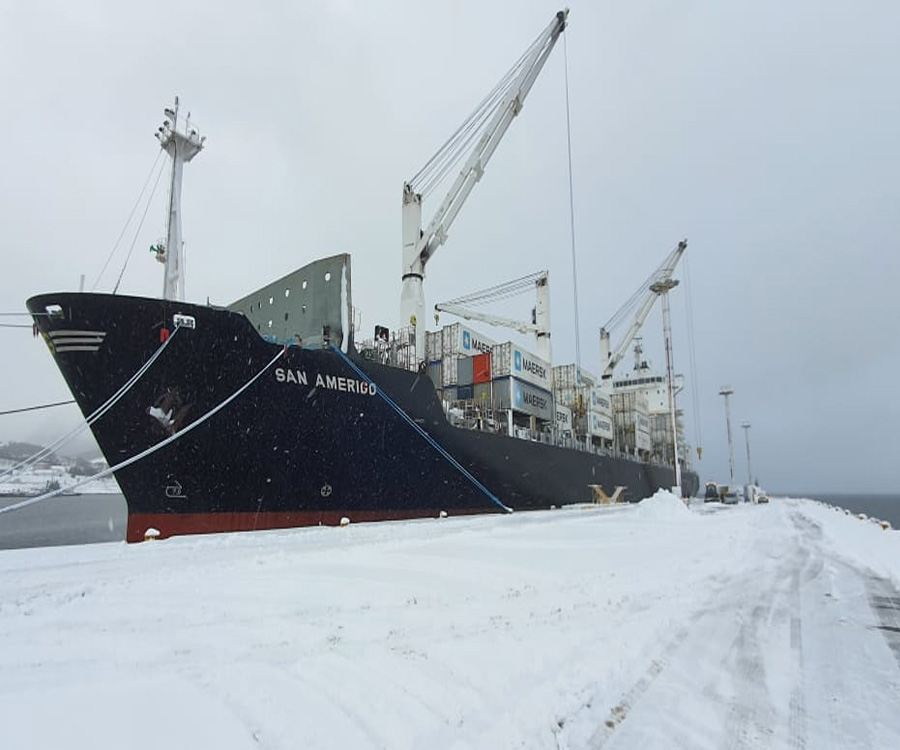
(623, 627)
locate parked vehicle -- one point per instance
(731, 495)
(712, 493)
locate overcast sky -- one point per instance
(766, 132)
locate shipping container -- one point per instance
(629, 402)
(465, 392)
(459, 339)
(563, 418)
(642, 440)
(464, 371)
(483, 394)
(522, 397)
(569, 376)
(448, 393)
(577, 399)
(434, 372)
(601, 402)
(600, 426)
(449, 370)
(510, 360)
(433, 349)
(481, 366)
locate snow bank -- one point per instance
(663, 506)
(857, 538)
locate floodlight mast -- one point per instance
(726, 392)
(746, 427)
(420, 245)
(662, 289)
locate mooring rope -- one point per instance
(37, 407)
(99, 412)
(418, 428)
(152, 449)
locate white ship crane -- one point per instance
(658, 283)
(485, 127)
(181, 146)
(540, 313)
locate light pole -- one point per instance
(726, 392)
(746, 427)
(662, 289)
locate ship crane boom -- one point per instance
(644, 299)
(485, 127)
(540, 314)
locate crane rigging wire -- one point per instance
(692, 354)
(128, 220)
(139, 227)
(452, 150)
(500, 291)
(572, 210)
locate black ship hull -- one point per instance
(311, 441)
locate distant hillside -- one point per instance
(14, 451)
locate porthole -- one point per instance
(287, 292)
(303, 309)
(328, 276)
(271, 300)
(304, 284)
(285, 316)
(270, 324)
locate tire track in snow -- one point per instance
(750, 717)
(719, 657)
(885, 602)
(807, 569)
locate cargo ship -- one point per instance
(269, 413)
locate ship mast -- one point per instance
(181, 147)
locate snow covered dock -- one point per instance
(648, 626)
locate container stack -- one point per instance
(631, 421)
(521, 382)
(465, 382)
(600, 416)
(572, 388)
(481, 376)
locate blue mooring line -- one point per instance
(430, 440)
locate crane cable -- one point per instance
(452, 150)
(499, 292)
(128, 220)
(572, 211)
(138, 230)
(695, 398)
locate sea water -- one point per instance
(65, 519)
(885, 507)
